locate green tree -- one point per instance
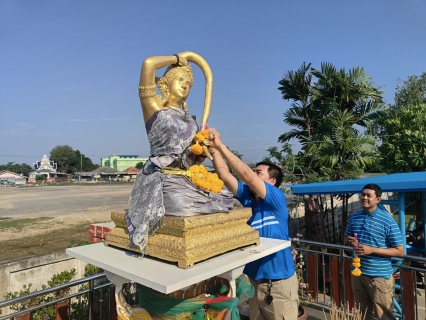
(139, 165)
(343, 153)
(81, 163)
(296, 86)
(23, 168)
(412, 91)
(328, 116)
(403, 135)
(402, 131)
(64, 156)
(70, 160)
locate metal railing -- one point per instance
(93, 298)
(327, 272)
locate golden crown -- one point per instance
(173, 72)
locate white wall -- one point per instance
(37, 270)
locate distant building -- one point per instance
(11, 178)
(121, 162)
(130, 174)
(47, 168)
(98, 174)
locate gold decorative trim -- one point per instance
(201, 289)
(188, 223)
(140, 315)
(182, 244)
(200, 230)
(188, 258)
(119, 219)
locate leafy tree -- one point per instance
(70, 161)
(337, 91)
(82, 163)
(403, 135)
(402, 131)
(328, 115)
(412, 91)
(23, 168)
(296, 86)
(343, 152)
(64, 157)
(139, 165)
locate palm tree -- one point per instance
(344, 152)
(296, 86)
(327, 117)
(336, 90)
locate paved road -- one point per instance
(63, 200)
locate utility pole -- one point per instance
(81, 165)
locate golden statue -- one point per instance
(162, 188)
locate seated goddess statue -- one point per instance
(171, 130)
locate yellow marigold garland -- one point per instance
(199, 139)
(356, 263)
(204, 179)
(197, 149)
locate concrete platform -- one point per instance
(166, 277)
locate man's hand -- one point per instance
(363, 249)
(351, 241)
(219, 151)
(215, 139)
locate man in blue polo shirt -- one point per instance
(273, 277)
(378, 239)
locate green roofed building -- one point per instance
(121, 162)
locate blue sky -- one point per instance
(69, 70)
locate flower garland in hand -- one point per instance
(204, 179)
(201, 144)
(356, 262)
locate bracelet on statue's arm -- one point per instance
(147, 91)
(177, 61)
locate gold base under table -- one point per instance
(187, 240)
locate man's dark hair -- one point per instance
(375, 188)
(274, 172)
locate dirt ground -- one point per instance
(71, 210)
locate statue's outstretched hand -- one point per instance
(182, 60)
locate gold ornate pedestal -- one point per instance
(187, 240)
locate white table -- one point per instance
(122, 266)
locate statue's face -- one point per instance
(180, 85)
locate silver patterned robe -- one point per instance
(155, 194)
